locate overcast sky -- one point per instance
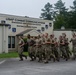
(31, 8)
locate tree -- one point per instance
(60, 7)
(74, 6)
(47, 12)
(72, 18)
(60, 18)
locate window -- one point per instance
(9, 27)
(3, 22)
(50, 24)
(46, 26)
(39, 30)
(11, 41)
(42, 28)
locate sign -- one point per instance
(13, 29)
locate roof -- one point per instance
(26, 31)
(23, 17)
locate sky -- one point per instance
(30, 8)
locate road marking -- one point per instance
(2, 61)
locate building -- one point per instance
(18, 25)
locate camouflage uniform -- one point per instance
(57, 56)
(53, 49)
(43, 47)
(62, 49)
(47, 49)
(39, 49)
(20, 49)
(31, 51)
(67, 48)
(74, 47)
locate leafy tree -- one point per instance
(72, 18)
(74, 6)
(60, 7)
(60, 18)
(47, 12)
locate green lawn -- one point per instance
(11, 55)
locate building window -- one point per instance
(42, 28)
(50, 24)
(3, 22)
(39, 30)
(46, 26)
(9, 27)
(11, 41)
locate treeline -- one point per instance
(60, 14)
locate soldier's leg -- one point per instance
(43, 52)
(64, 53)
(46, 55)
(67, 52)
(40, 54)
(53, 54)
(56, 54)
(74, 52)
(30, 53)
(20, 51)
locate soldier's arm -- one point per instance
(23, 43)
(62, 42)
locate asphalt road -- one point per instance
(15, 67)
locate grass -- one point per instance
(11, 55)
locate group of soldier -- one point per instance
(48, 47)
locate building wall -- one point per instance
(19, 24)
(23, 23)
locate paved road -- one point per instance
(14, 67)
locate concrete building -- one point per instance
(20, 24)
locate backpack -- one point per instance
(25, 46)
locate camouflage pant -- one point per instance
(38, 52)
(67, 51)
(20, 50)
(56, 53)
(74, 52)
(47, 52)
(63, 51)
(43, 51)
(31, 51)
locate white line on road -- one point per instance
(2, 61)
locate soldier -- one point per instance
(30, 47)
(73, 40)
(21, 48)
(39, 48)
(43, 46)
(47, 48)
(56, 50)
(62, 47)
(66, 43)
(53, 47)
